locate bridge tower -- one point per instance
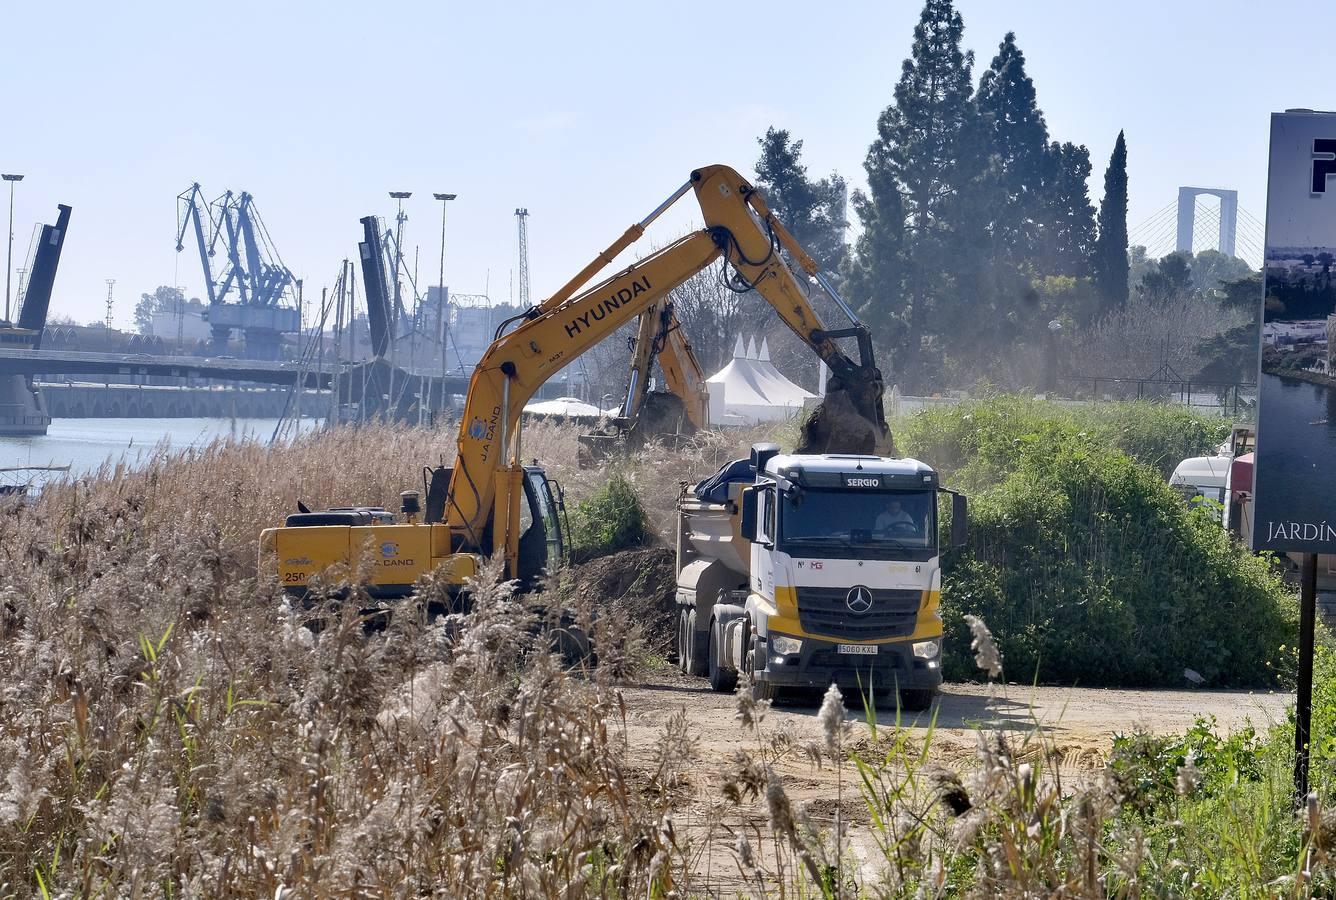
(22, 407)
(1229, 217)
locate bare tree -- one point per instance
(711, 315)
(1134, 341)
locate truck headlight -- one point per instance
(927, 649)
(785, 645)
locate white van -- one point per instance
(1202, 476)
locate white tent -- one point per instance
(562, 406)
(750, 389)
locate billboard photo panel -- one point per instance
(1294, 476)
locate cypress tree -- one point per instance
(1110, 257)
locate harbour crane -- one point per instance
(265, 306)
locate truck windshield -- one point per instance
(872, 524)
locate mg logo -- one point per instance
(859, 600)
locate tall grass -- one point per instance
(169, 726)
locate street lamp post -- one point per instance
(9, 257)
(1051, 367)
(441, 310)
(399, 219)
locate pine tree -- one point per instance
(1018, 141)
(874, 273)
(813, 211)
(1110, 257)
(914, 170)
(1071, 217)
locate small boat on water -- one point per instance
(16, 480)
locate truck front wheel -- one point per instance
(721, 679)
(761, 689)
(916, 699)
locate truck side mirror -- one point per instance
(960, 521)
(748, 527)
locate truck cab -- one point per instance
(819, 569)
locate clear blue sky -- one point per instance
(586, 113)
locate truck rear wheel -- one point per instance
(683, 641)
(721, 679)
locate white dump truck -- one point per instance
(804, 570)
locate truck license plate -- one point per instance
(858, 649)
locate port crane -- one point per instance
(265, 305)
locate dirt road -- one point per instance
(1080, 718)
(1078, 723)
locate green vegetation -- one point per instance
(1087, 567)
(974, 445)
(611, 519)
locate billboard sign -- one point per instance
(1294, 476)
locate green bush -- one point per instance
(1083, 562)
(1089, 569)
(611, 519)
(975, 444)
(1146, 766)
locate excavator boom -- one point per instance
(518, 363)
(740, 228)
(660, 336)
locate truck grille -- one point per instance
(824, 611)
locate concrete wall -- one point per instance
(81, 401)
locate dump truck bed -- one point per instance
(712, 531)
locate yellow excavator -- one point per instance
(645, 415)
(488, 502)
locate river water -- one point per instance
(85, 444)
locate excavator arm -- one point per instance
(485, 483)
(484, 493)
(660, 336)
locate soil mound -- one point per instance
(643, 584)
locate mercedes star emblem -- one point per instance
(859, 600)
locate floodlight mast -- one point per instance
(9, 256)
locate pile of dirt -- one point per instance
(848, 420)
(642, 582)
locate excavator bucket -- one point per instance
(849, 419)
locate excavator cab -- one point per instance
(543, 540)
(544, 529)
